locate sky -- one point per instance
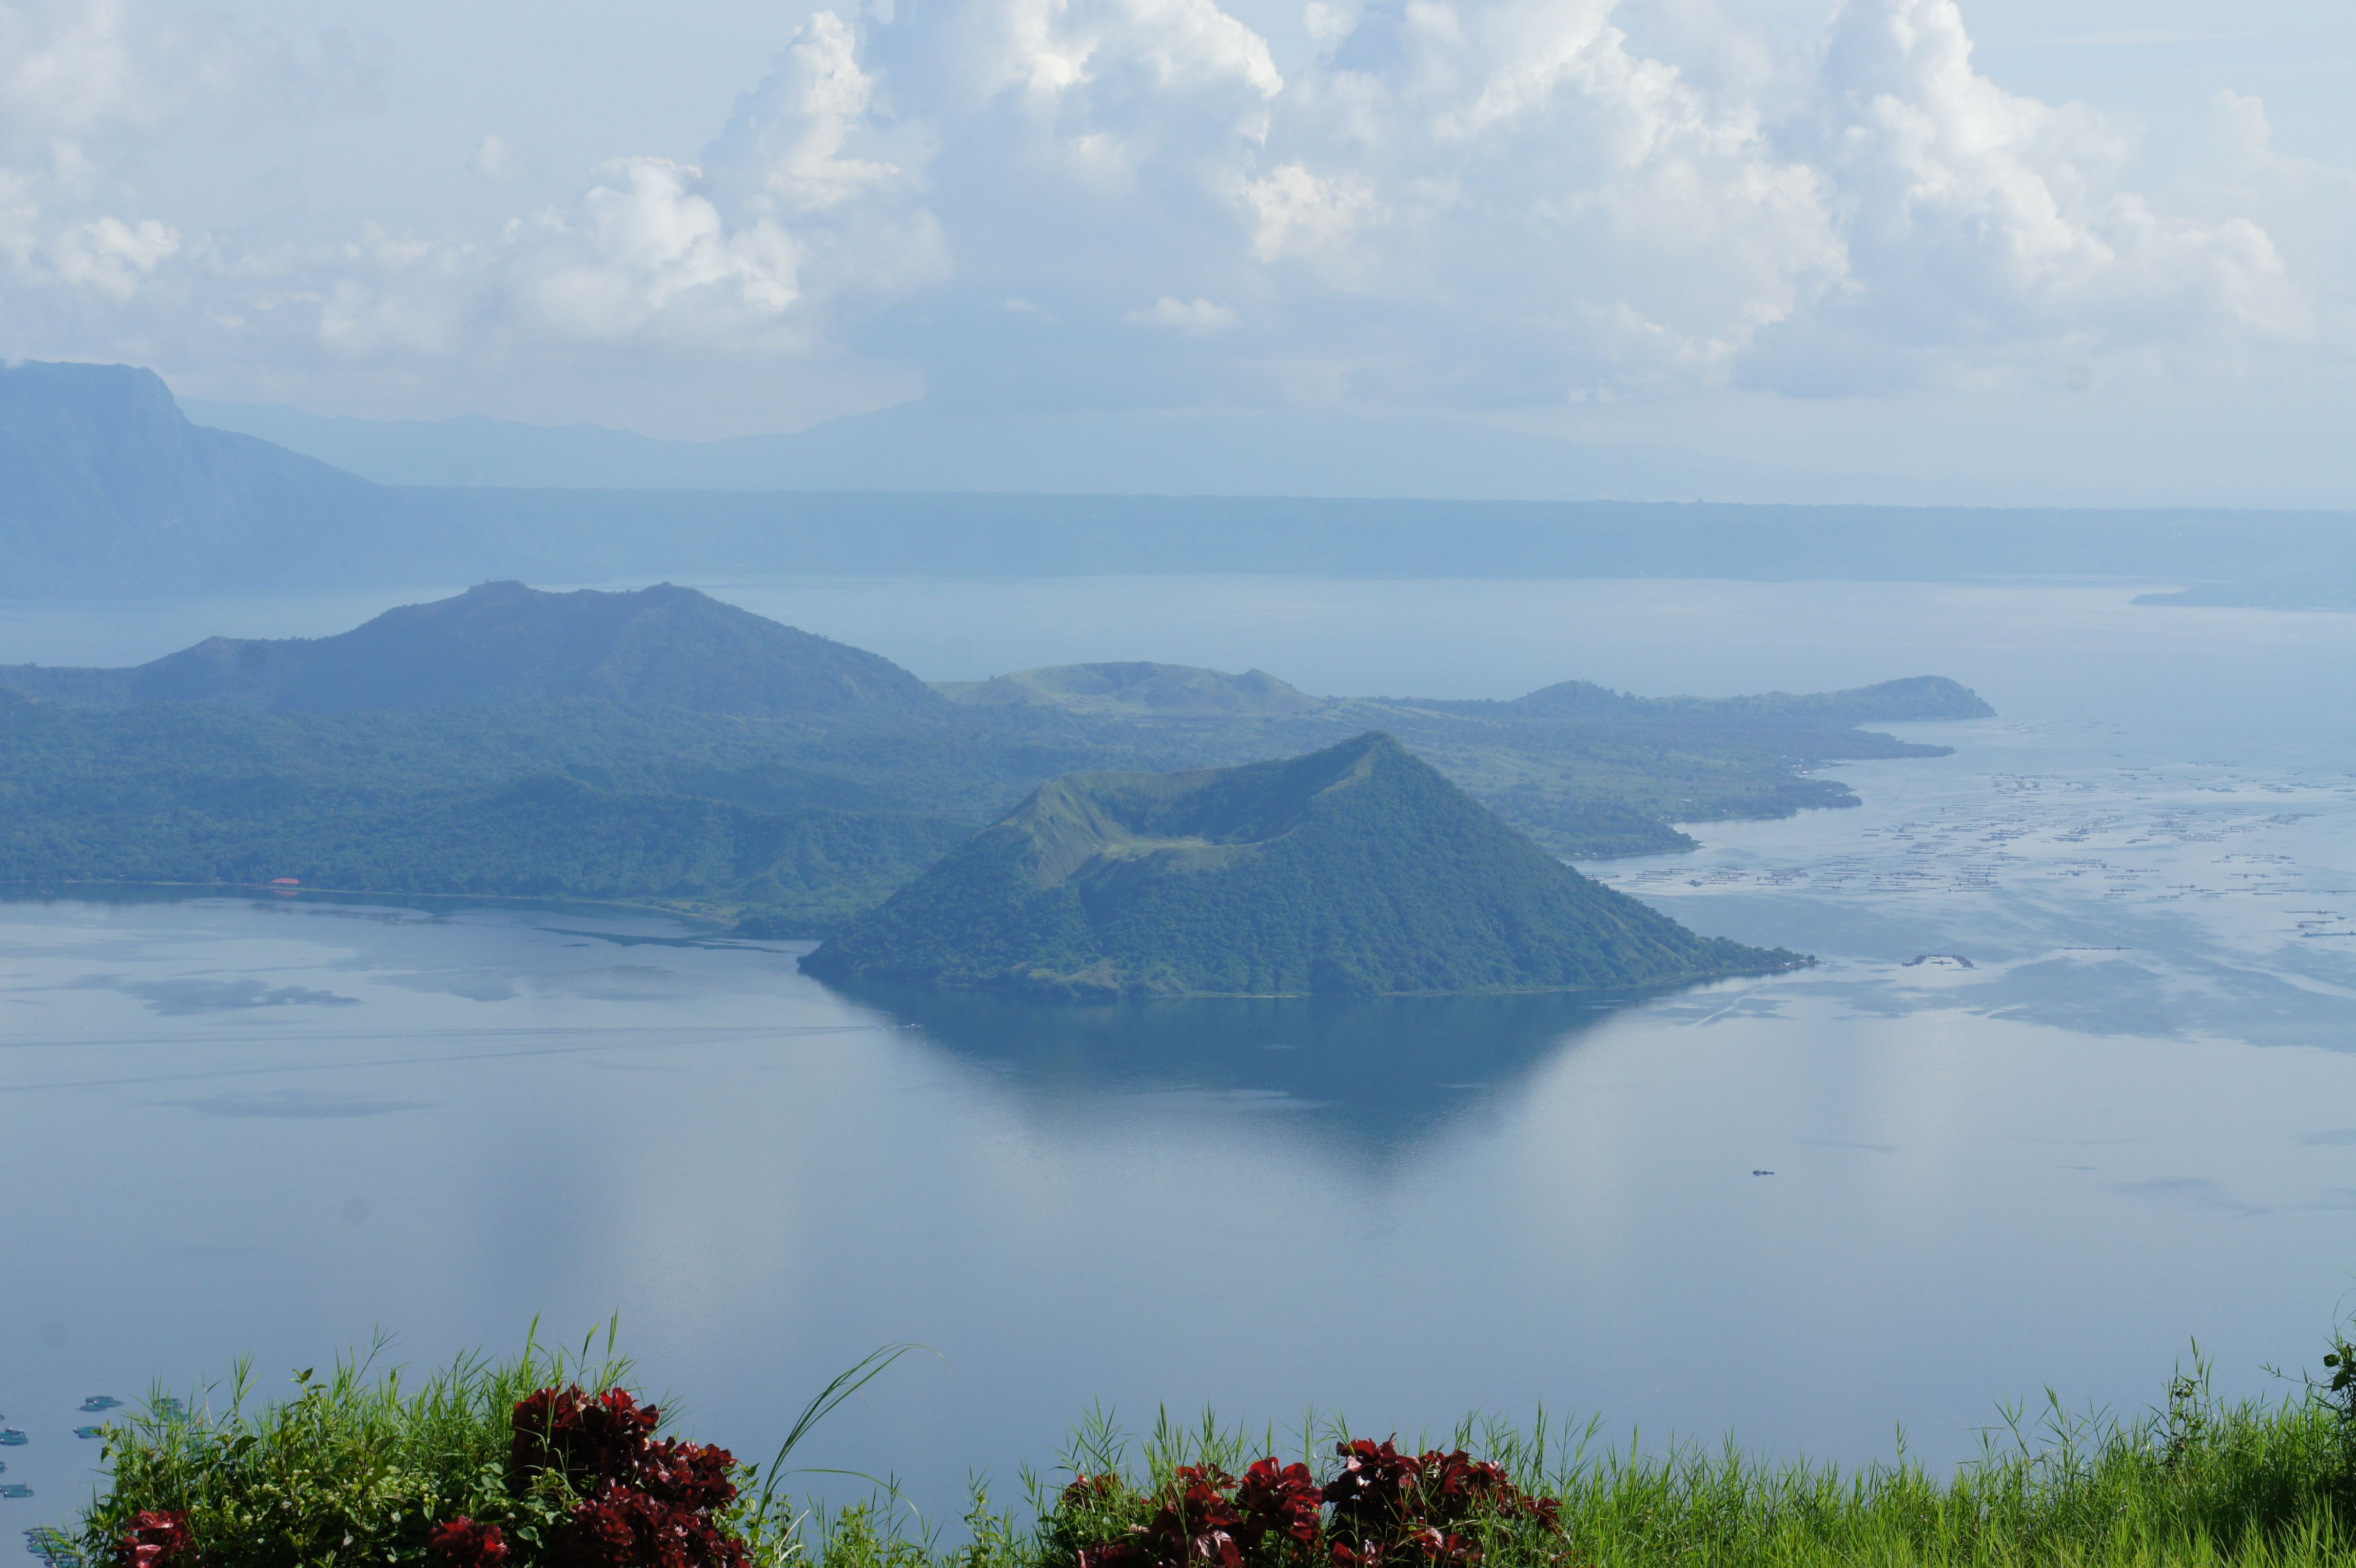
(2106, 248)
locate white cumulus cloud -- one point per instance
(1471, 203)
(1979, 223)
(111, 256)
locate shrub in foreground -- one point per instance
(550, 1463)
(1386, 1507)
(484, 1465)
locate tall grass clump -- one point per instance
(2197, 1480)
(546, 1460)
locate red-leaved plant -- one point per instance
(1405, 1511)
(1279, 1500)
(641, 1504)
(578, 1434)
(1392, 1505)
(158, 1538)
(468, 1544)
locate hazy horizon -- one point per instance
(1882, 249)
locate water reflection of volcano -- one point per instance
(1385, 1069)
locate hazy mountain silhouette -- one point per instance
(1135, 688)
(103, 479)
(1890, 702)
(504, 642)
(915, 446)
(105, 490)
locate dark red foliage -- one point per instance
(623, 1528)
(645, 1504)
(586, 1435)
(468, 1544)
(158, 1538)
(687, 1475)
(1195, 1527)
(1279, 1499)
(1375, 1489)
(1427, 1547)
(1389, 1510)
(1196, 1522)
(1381, 1494)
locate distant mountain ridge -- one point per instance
(914, 448)
(1134, 688)
(107, 491)
(503, 642)
(1353, 870)
(1912, 697)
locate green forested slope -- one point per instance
(1354, 870)
(659, 744)
(579, 798)
(671, 804)
(1591, 772)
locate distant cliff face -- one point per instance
(105, 486)
(504, 642)
(1353, 870)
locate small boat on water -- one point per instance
(12, 1438)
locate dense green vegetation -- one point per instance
(1356, 870)
(1586, 771)
(659, 745)
(1589, 772)
(581, 799)
(360, 1466)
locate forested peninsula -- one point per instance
(660, 747)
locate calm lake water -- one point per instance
(274, 1126)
